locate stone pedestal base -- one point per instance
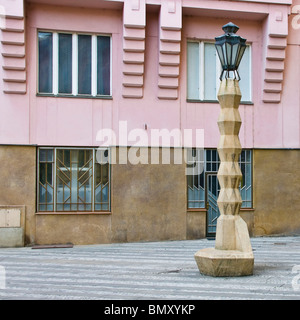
(232, 255)
(224, 263)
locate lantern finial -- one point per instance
(230, 28)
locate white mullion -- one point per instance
(55, 63)
(94, 65)
(201, 72)
(74, 64)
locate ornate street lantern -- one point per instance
(230, 48)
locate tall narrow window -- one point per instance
(65, 63)
(84, 64)
(45, 62)
(203, 72)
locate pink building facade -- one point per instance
(118, 74)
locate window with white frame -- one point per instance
(74, 64)
(204, 69)
(73, 180)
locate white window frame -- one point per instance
(201, 93)
(55, 64)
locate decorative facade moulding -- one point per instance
(13, 48)
(170, 25)
(275, 35)
(134, 23)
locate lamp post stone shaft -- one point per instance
(232, 255)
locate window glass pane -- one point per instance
(248, 174)
(208, 155)
(202, 179)
(243, 173)
(103, 65)
(49, 195)
(196, 192)
(249, 194)
(245, 75)
(50, 155)
(43, 154)
(101, 186)
(214, 155)
(42, 194)
(74, 180)
(42, 207)
(84, 64)
(63, 178)
(84, 177)
(193, 63)
(65, 63)
(49, 173)
(45, 189)
(45, 62)
(248, 155)
(242, 156)
(209, 71)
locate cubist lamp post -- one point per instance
(232, 254)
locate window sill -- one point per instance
(81, 96)
(73, 213)
(215, 101)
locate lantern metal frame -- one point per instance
(230, 48)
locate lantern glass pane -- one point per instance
(224, 66)
(235, 50)
(220, 54)
(229, 55)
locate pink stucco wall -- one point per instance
(29, 119)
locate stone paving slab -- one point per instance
(146, 271)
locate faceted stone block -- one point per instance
(224, 263)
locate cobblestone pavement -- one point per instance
(146, 271)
